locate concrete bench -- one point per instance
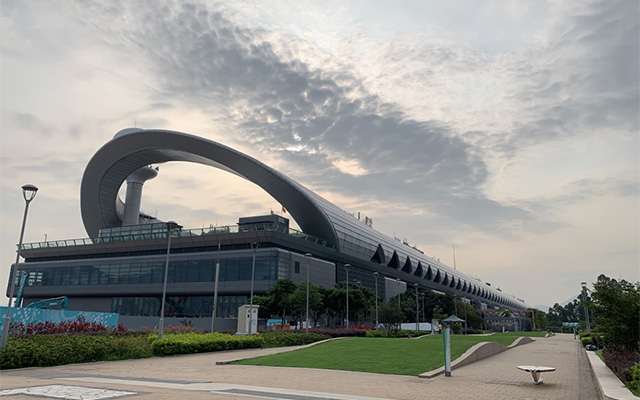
(535, 372)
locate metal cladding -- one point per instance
(133, 148)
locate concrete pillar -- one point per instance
(133, 197)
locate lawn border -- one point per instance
(478, 352)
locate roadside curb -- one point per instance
(477, 352)
(610, 386)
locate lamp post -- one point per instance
(254, 248)
(399, 282)
(586, 310)
(29, 193)
(215, 293)
(171, 226)
(375, 276)
(346, 268)
(417, 308)
(308, 257)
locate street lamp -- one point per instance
(346, 268)
(586, 310)
(417, 308)
(308, 256)
(254, 248)
(29, 193)
(399, 282)
(375, 275)
(171, 226)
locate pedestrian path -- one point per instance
(198, 376)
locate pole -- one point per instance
(375, 275)
(308, 256)
(346, 267)
(215, 293)
(254, 247)
(447, 350)
(417, 309)
(29, 193)
(170, 226)
(586, 310)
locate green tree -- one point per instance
(539, 320)
(617, 310)
(278, 300)
(299, 302)
(390, 315)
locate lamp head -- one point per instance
(308, 255)
(347, 267)
(29, 192)
(375, 274)
(584, 284)
(172, 225)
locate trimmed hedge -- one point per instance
(189, 343)
(284, 338)
(50, 350)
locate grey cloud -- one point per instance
(205, 59)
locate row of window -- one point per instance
(231, 269)
(178, 306)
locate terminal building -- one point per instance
(120, 268)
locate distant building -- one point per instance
(120, 268)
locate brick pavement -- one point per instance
(198, 377)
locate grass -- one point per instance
(381, 355)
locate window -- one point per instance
(296, 267)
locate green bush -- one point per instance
(189, 343)
(586, 340)
(49, 350)
(282, 338)
(634, 383)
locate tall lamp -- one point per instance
(586, 310)
(171, 226)
(254, 248)
(417, 309)
(375, 275)
(346, 268)
(308, 257)
(29, 193)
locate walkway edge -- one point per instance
(283, 349)
(610, 386)
(478, 352)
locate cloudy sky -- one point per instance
(507, 129)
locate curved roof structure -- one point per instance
(133, 148)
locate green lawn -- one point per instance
(381, 355)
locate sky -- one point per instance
(506, 130)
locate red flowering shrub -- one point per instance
(49, 328)
(621, 362)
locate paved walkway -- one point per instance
(198, 377)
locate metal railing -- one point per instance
(197, 232)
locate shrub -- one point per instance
(621, 362)
(189, 343)
(334, 333)
(586, 340)
(634, 383)
(291, 338)
(60, 349)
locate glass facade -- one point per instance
(134, 273)
(178, 306)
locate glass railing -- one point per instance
(218, 230)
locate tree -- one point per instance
(278, 299)
(539, 320)
(390, 315)
(299, 301)
(617, 310)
